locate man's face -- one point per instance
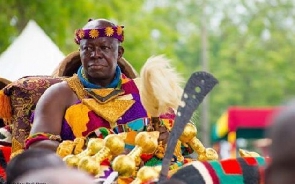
(99, 58)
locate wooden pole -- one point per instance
(205, 122)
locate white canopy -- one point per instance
(32, 53)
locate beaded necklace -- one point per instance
(116, 83)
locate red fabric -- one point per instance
(6, 151)
(105, 162)
(146, 157)
(247, 117)
(231, 166)
(2, 173)
(251, 161)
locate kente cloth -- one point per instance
(241, 170)
(124, 113)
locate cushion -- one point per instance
(3, 82)
(241, 170)
(24, 94)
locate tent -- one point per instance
(242, 122)
(32, 53)
(246, 122)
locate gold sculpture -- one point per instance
(147, 174)
(113, 145)
(188, 137)
(244, 153)
(79, 145)
(93, 146)
(65, 148)
(145, 142)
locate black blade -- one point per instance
(197, 87)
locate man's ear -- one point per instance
(120, 52)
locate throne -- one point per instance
(18, 99)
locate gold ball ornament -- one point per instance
(245, 153)
(189, 132)
(124, 165)
(209, 154)
(94, 145)
(115, 143)
(90, 165)
(147, 174)
(65, 148)
(79, 145)
(71, 160)
(148, 141)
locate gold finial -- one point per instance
(113, 145)
(189, 137)
(244, 153)
(65, 148)
(147, 174)
(93, 146)
(146, 142)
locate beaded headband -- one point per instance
(113, 32)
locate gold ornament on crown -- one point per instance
(119, 30)
(93, 33)
(109, 31)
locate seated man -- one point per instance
(97, 100)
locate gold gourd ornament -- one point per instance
(245, 153)
(69, 147)
(79, 145)
(145, 142)
(113, 144)
(188, 137)
(93, 146)
(65, 148)
(147, 174)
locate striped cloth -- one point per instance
(242, 170)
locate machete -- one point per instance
(196, 88)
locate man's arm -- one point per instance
(49, 114)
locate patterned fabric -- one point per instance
(85, 118)
(24, 94)
(242, 170)
(39, 137)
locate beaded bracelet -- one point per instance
(40, 136)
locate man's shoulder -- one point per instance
(61, 88)
(63, 85)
